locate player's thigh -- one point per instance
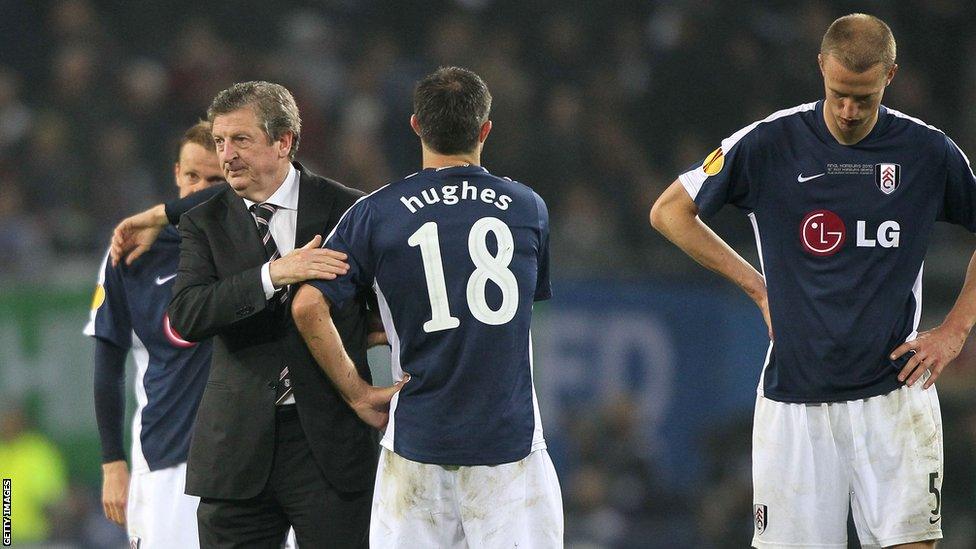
(511, 505)
(800, 477)
(414, 505)
(159, 514)
(898, 467)
(138, 513)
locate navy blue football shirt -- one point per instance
(129, 311)
(842, 233)
(457, 257)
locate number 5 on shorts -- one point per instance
(933, 489)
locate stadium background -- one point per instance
(646, 364)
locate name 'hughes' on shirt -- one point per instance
(448, 194)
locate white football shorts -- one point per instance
(881, 455)
(159, 515)
(515, 504)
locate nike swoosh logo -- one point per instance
(160, 280)
(934, 520)
(801, 179)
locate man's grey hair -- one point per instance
(274, 105)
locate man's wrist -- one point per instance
(357, 388)
(114, 466)
(959, 327)
(158, 213)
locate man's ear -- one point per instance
(285, 142)
(485, 130)
(891, 74)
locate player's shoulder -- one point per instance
(214, 204)
(772, 127)
(916, 129)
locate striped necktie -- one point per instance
(262, 215)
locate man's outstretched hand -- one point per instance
(136, 234)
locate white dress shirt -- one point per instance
(283, 223)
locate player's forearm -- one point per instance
(675, 217)
(313, 319)
(962, 316)
(109, 381)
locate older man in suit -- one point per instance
(274, 444)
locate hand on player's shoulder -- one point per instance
(310, 262)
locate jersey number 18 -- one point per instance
(487, 267)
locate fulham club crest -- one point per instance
(760, 517)
(887, 177)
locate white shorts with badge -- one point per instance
(881, 455)
(515, 504)
(159, 514)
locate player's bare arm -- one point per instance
(376, 335)
(115, 490)
(675, 216)
(309, 262)
(134, 235)
(936, 348)
(311, 312)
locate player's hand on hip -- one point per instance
(115, 490)
(934, 350)
(310, 262)
(134, 235)
(373, 407)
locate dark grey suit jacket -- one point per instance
(218, 294)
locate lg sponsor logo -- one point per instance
(823, 233)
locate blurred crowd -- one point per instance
(598, 105)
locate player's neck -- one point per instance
(432, 159)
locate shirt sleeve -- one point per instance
(352, 236)
(109, 375)
(959, 203)
(543, 287)
(723, 177)
(109, 319)
(266, 283)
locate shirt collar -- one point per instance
(286, 197)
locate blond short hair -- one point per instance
(860, 41)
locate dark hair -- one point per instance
(860, 41)
(451, 105)
(275, 107)
(199, 134)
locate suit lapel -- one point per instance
(242, 231)
(314, 204)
